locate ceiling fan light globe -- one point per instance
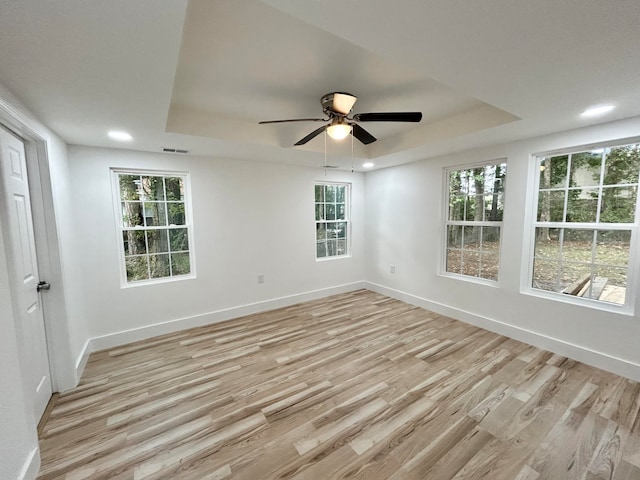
(339, 131)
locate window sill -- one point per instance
(466, 278)
(157, 281)
(333, 257)
(579, 302)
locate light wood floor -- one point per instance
(356, 386)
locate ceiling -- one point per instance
(199, 75)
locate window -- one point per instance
(586, 220)
(474, 220)
(154, 227)
(332, 219)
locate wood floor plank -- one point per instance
(357, 386)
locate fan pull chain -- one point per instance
(352, 169)
(325, 152)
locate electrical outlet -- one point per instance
(392, 268)
(261, 278)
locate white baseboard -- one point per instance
(143, 333)
(82, 359)
(582, 354)
(31, 466)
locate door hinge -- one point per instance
(43, 286)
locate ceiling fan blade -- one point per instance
(294, 120)
(313, 134)
(388, 117)
(362, 135)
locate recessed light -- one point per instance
(120, 136)
(597, 110)
(367, 165)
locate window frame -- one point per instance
(532, 224)
(484, 223)
(347, 220)
(120, 228)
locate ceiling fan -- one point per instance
(337, 106)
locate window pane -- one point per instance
(622, 165)
(574, 274)
(612, 284)
(176, 213)
(340, 211)
(547, 243)
(321, 231)
(132, 214)
(175, 188)
(454, 261)
(474, 206)
(137, 268)
(129, 187)
(155, 214)
(493, 207)
(489, 266)
(153, 188)
(157, 241)
(134, 242)
(551, 206)
(341, 194)
(320, 211)
(332, 230)
(330, 211)
(585, 169)
(471, 263)
(321, 249)
(454, 236)
(180, 264)
(618, 204)
(577, 245)
(471, 238)
(332, 248)
(458, 184)
(553, 171)
(491, 239)
(159, 265)
(582, 205)
(319, 191)
(456, 207)
(342, 246)
(612, 247)
(178, 239)
(546, 274)
(330, 193)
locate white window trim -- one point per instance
(631, 296)
(118, 221)
(442, 268)
(347, 220)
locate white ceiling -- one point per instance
(199, 75)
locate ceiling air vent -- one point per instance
(175, 150)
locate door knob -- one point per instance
(43, 286)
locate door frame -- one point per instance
(36, 140)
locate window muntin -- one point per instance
(154, 226)
(585, 220)
(473, 223)
(332, 212)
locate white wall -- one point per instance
(249, 218)
(404, 227)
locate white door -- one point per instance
(31, 330)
